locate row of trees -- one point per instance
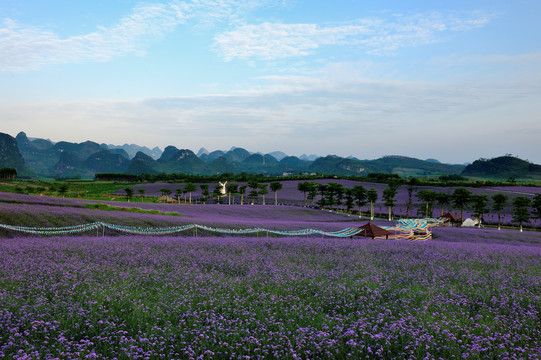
(523, 210)
(251, 191)
(7, 173)
(334, 194)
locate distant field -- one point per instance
(107, 192)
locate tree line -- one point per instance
(249, 192)
(7, 173)
(336, 195)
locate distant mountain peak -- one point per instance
(202, 151)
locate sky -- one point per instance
(453, 80)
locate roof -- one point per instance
(373, 231)
(451, 216)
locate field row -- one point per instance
(249, 298)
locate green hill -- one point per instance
(503, 167)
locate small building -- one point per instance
(373, 231)
(166, 200)
(453, 219)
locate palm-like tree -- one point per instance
(205, 192)
(536, 205)
(304, 188)
(231, 188)
(275, 186)
(521, 214)
(189, 188)
(178, 193)
(263, 191)
(388, 197)
(242, 191)
(129, 193)
(412, 186)
(359, 196)
(480, 206)
(443, 199)
(500, 200)
(461, 197)
(428, 197)
(141, 193)
(165, 191)
(372, 196)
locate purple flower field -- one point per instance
(468, 293)
(247, 298)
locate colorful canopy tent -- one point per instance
(373, 231)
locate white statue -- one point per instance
(222, 190)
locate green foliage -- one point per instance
(165, 191)
(129, 193)
(521, 213)
(480, 205)
(99, 206)
(536, 205)
(429, 197)
(7, 173)
(502, 167)
(461, 197)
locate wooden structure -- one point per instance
(373, 231)
(453, 219)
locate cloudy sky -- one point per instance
(454, 80)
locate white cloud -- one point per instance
(334, 110)
(24, 47)
(377, 36)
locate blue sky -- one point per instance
(451, 80)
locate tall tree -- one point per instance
(190, 188)
(165, 191)
(312, 191)
(536, 205)
(521, 213)
(263, 191)
(499, 202)
(217, 193)
(349, 199)
(242, 191)
(443, 199)
(303, 187)
(480, 208)
(322, 190)
(253, 194)
(205, 192)
(275, 186)
(360, 197)
(141, 193)
(429, 198)
(372, 196)
(178, 193)
(63, 189)
(388, 197)
(129, 193)
(333, 192)
(412, 187)
(461, 197)
(231, 188)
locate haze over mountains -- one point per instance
(42, 158)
